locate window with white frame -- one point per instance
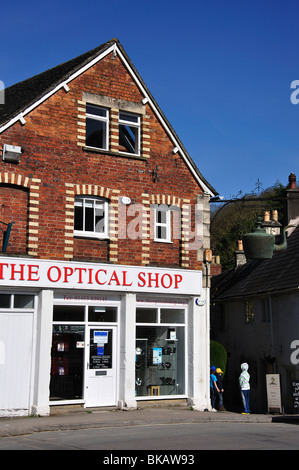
(97, 120)
(129, 133)
(91, 217)
(162, 223)
(17, 301)
(160, 355)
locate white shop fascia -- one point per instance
(45, 274)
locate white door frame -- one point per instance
(101, 383)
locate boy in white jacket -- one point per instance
(244, 380)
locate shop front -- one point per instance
(84, 352)
(102, 335)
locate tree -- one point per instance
(218, 355)
(231, 220)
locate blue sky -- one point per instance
(221, 72)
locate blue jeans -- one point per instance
(245, 399)
(220, 399)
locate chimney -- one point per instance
(215, 266)
(292, 201)
(240, 257)
(266, 216)
(271, 226)
(292, 181)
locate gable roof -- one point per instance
(24, 96)
(277, 274)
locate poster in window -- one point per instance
(157, 355)
(100, 350)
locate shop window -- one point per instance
(5, 300)
(67, 362)
(91, 217)
(17, 301)
(129, 133)
(68, 313)
(169, 315)
(23, 301)
(102, 314)
(146, 315)
(160, 353)
(97, 120)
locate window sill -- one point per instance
(163, 241)
(114, 154)
(91, 236)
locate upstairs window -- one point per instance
(97, 120)
(162, 223)
(91, 217)
(129, 133)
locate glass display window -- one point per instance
(67, 362)
(160, 353)
(102, 314)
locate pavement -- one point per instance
(100, 418)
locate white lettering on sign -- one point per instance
(44, 273)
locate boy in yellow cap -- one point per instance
(219, 375)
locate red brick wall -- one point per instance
(13, 208)
(54, 158)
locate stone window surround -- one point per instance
(115, 105)
(33, 186)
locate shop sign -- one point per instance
(59, 274)
(273, 393)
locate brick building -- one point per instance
(104, 270)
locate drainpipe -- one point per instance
(271, 328)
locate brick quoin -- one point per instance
(53, 155)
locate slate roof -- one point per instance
(279, 273)
(22, 95)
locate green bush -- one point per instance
(218, 355)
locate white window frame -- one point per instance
(104, 119)
(137, 125)
(166, 224)
(94, 201)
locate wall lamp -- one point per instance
(11, 153)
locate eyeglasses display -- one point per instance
(159, 361)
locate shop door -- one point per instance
(101, 377)
(16, 340)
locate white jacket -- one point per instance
(244, 377)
